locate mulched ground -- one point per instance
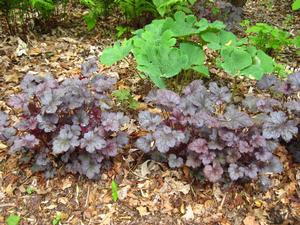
(149, 192)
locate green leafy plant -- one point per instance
(165, 48)
(166, 7)
(97, 8)
(156, 51)
(57, 218)
(123, 30)
(246, 61)
(133, 9)
(45, 7)
(126, 99)
(296, 5)
(268, 38)
(30, 190)
(13, 219)
(114, 190)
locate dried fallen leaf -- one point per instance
(2, 146)
(189, 215)
(22, 48)
(250, 220)
(9, 190)
(143, 211)
(67, 183)
(122, 193)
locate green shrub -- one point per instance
(268, 38)
(166, 47)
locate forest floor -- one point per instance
(149, 192)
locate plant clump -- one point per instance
(205, 130)
(68, 122)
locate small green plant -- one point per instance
(268, 38)
(132, 9)
(114, 190)
(13, 219)
(97, 8)
(126, 99)
(45, 7)
(296, 5)
(57, 218)
(245, 23)
(122, 30)
(281, 70)
(166, 7)
(30, 190)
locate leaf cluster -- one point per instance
(267, 37)
(205, 130)
(166, 47)
(69, 122)
(125, 98)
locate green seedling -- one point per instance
(114, 190)
(125, 97)
(57, 218)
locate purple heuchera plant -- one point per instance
(69, 120)
(205, 130)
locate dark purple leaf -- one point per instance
(149, 120)
(174, 161)
(235, 171)
(213, 172)
(145, 143)
(198, 145)
(89, 66)
(236, 119)
(277, 125)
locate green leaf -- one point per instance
(165, 6)
(162, 62)
(194, 53)
(30, 190)
(217, 25)
(114, 54)
(114, 190)
(201, 69)
(13, 219)
(296, 5)
(181, 25)
(235, 60)
(57, 219)
(217, 40)
(42, 5)
(261, 64)
(211, 37)
(122, 95)
(202, 25)
(90, 20)
(134, 104)
(227, 38)
(296, 41)
(266, 62)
